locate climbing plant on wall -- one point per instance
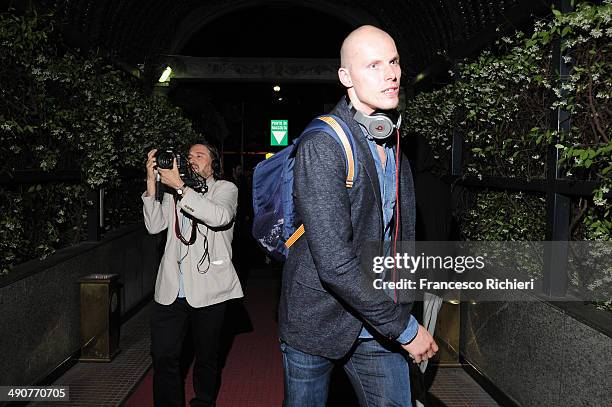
(501, 104)
(62, 109)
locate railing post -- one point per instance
(558, 206)
(457, 142)
(93, 215)
(457, 153)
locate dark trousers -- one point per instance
(169, 325)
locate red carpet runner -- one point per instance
(253, 374)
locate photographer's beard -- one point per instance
(205, 172)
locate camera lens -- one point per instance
(165, 159)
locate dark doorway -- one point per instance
(245, 111)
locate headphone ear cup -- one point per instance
(380, 126)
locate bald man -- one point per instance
(331, 311)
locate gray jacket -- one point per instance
(327, 291)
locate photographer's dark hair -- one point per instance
(216, 158)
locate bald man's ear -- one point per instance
(345, 78)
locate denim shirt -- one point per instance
(386, 180)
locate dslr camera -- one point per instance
(165, 160)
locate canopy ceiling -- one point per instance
(138, 30)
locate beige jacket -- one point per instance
(215, 211)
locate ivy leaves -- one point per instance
(502, 106)
(69, 110)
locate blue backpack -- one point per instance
(274, 225)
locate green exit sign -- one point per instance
(279, 132)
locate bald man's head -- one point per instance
(365, 35)
(370, 69)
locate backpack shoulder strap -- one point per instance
(343, 135)
(347, 144)
(295, 236)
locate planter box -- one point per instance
(40, 300)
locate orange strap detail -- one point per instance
(350, 174)
(295, 236)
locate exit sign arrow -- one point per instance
(279, 135)
(279, 132)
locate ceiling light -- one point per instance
(165, 76)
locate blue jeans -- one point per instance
(380, 377)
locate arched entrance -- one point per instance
(224, 74)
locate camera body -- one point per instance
(165, 160)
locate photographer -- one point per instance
(196, 276)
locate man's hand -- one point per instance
(151, 164)
(422, 347)
(171, 177)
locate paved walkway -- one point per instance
(110, 384)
